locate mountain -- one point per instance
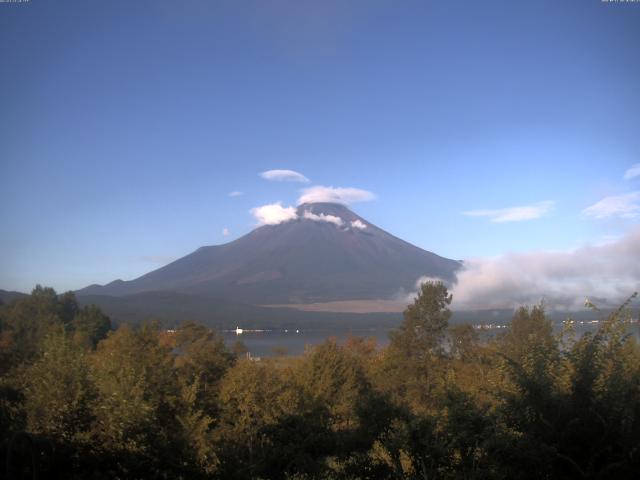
(172, 308)
(7, 296)
(326, 254)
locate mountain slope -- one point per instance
(171, 309)
(327, 254)
(7, 297)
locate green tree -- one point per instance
(578, 417)
(58, 390)
(90, 325)
(136, 421)
(26, 323)
(414, 365)
(195, 435)
(267, 429)
(334, 378)
(530, 332)
(68, 308)
(463, 342)
(202, 360)
(425, 322)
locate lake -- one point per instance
(264, 343)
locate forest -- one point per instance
(80, 399)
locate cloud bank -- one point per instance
(284, 176)
(236, 193)
(608, 273)
(345, 196)
(273, 214)
(358, 224)
(624, 206)
(514, 214)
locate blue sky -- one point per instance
(124, 125)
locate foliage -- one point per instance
(425, 322)
(78, 400)
(90, 325)
(413, 367)
(24, 324)
(58, 390)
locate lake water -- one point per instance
(293, 342)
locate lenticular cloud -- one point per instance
(284, 176)
(344, 196)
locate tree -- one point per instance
(58, 390)
(577, 416)
(136, 421)
(256, 399)
(90, 325)
(414, 365)
(425, 322)
(26, 323)
(202, 360)
(530, 331)
(463, 342)
(195, 435)
(334, 378)
(67, 308)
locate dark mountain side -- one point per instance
(171, 309)
(7, 296)
(329, 253)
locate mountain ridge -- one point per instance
(327, 253)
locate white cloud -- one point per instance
(344, 196)
(284, 176)
(514, 214)
(358, 224)
(337, 221)
(236, 193)
(273, 214)
(625, 206)
(226, 232)
(609, 272)
(632, 172)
